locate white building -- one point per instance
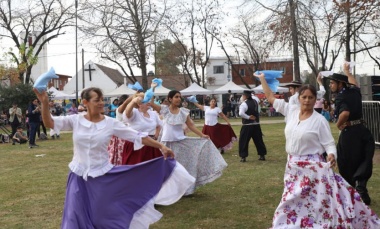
(218, 73)
(95, 75)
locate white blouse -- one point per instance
(211, 115)
(172, 128)
(309, 136)
(91, 141)
(141, 123)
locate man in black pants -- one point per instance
(356, 144)
(249, 112)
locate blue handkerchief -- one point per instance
(43, 80)
(157, 81)
(192, 99)
(271, 77)
(136, 86)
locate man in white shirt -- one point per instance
(251, 128)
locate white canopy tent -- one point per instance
(57, 94)
(161, 91)
(122, 90)
(259, 89)
(229, 87)
(195, 89)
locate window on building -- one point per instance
(219, 69)
(242, 72)
(283, 69)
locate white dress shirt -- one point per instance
(141, 123)
(172, 128)
(211, 115)
(91, 141)
(309, 136)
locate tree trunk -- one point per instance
(296, 60)
(348, 31)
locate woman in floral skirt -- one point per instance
(314, 196)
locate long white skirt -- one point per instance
(200, 158)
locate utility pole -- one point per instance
(76, 51)
(83, 86)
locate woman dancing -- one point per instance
(213, 129)
(100, 195)
(314, 196)
(198, 155)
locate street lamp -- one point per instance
(76, 51)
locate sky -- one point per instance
(61, 53)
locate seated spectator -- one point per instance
(20, 136)
(72, 110)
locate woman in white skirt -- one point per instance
(199, 156)
(314, 196)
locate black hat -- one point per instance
(247, 92)
(338, 77)
(294, 83)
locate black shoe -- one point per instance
(53, 137)
(34, 145)
(57, 136)
(365, 198)
(13, 143)
(262, 158)
(222, 151)
(243, 159)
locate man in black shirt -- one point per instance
(34, 114)
(356, 144)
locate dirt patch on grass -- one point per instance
(376, 157)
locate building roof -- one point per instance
(113, 74)
(173, 82)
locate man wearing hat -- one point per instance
(249, 112)
(293, 89)
(356, 144)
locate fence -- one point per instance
(371, 115)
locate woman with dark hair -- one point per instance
(100, 195)
(198, 155)
(326, 109)
(213, 129)
(314, 196)
(112, 108)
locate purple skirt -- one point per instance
(125, 196)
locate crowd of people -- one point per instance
(137, 138)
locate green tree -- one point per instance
(168, 58)
(20, 93)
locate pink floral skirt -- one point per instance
(315, 197)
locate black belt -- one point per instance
(354, 122)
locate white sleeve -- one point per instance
(326, 138)
(64, 122)
(129, 134)
(281, 106)
(242, 109)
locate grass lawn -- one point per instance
(32, 188)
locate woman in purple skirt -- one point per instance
(100, 195)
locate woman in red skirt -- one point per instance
(141, 117)
(214, 129)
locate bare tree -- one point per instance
(42, 20)
(357, 13)
(198, 21)
(321, 36)
(124, 29)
